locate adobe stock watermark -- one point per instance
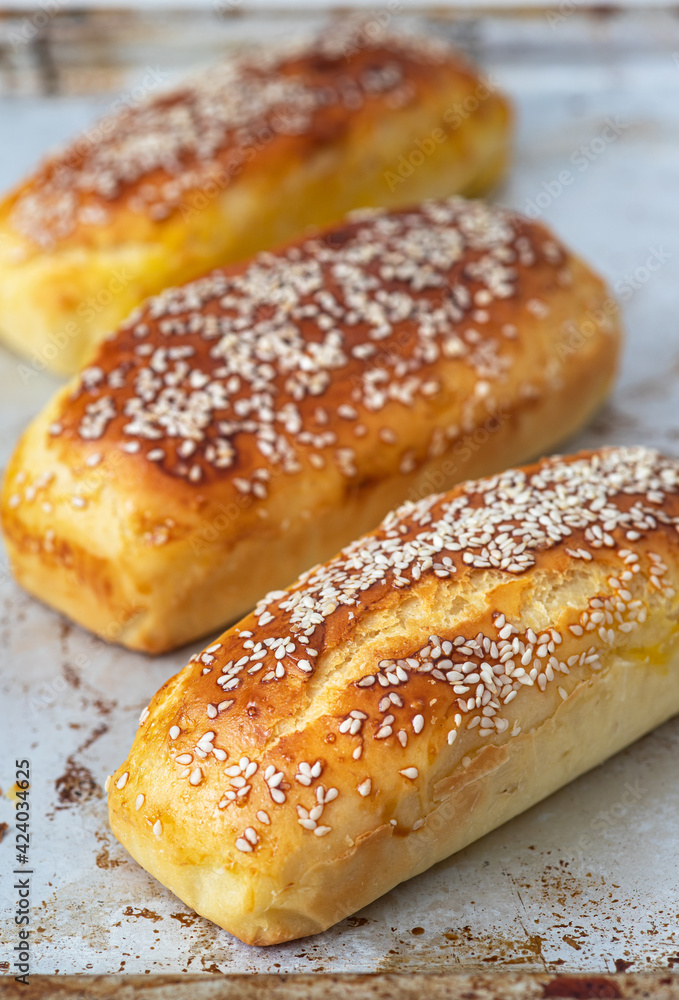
(460, 455)
(217, 179)
(32, 24)
(225, 7)
(557, 15)
(84, 313)
(426, 145)
(50, 693)
(580, 160)
(91, 137)
(606, 820)
(632, 281)
(605, 316)
(22, 873)
(370, 27)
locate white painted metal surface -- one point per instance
(583, 880)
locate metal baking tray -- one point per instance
(584, 883)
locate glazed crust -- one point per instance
(243, 157)
(477, 651)
(241, 428)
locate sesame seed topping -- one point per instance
(122, 780)
(243, 373)
(157, 828)
(155, 155)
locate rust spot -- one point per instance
(71, 676)
(4, 827)
(77, 784)
(417, 931)
(104, 860)
(621, 965)
(186, 919)
(147, 914)
(94, 735)
(4, 966)
(581, 988)
(357, 921)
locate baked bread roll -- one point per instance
(440, 675)
(243, 427)
(240, 158)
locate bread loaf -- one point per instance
(242, 157)
(474, 653)
(243, 427)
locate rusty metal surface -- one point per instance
(583, 883)
(433, 986)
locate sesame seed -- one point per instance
(122, 780)
(409, 772)
(191, 391)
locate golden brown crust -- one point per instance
(282, 405)
(239, 158)
(400, 700)
(152, 157)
